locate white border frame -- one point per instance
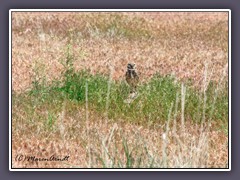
(116, 10)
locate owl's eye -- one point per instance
(129, 66)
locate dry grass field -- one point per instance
(68, 87)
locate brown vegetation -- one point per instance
(170, 43)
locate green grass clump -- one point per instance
(152, 105)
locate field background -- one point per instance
(189, 47)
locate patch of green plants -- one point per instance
(151, 106)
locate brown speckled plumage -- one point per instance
(132, 77)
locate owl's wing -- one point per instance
(135, 75)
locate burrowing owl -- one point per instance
(132, 77)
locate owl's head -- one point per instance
(131, 66)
